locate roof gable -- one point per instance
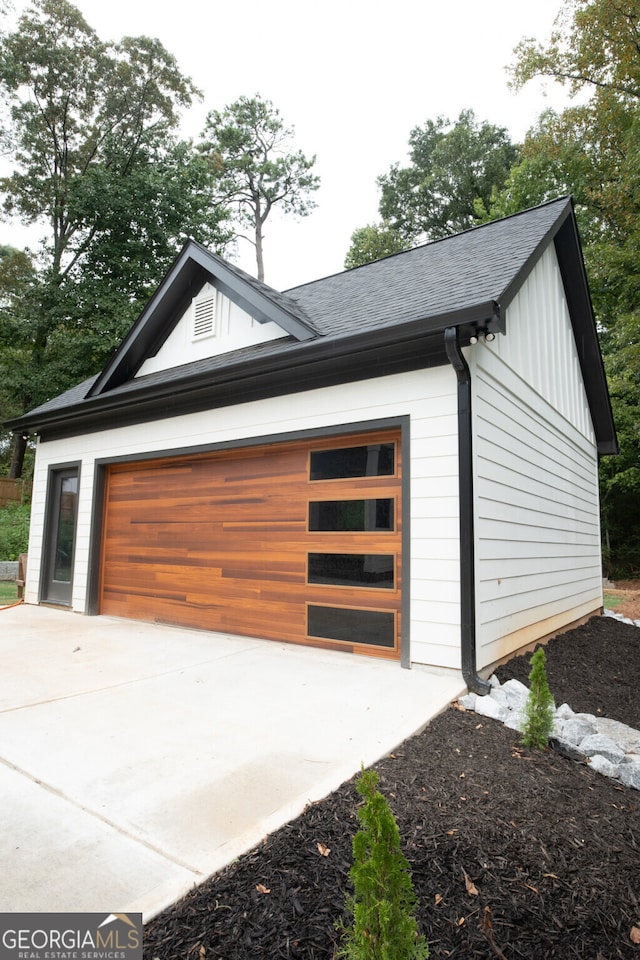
(211, 325)
(193, 267)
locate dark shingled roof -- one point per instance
(384, 317)
(453, 275)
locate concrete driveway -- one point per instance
(136, 760)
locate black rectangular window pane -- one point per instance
(352, 569)
(374, 460)
(344, 515)
(67, 507)
(372, 627)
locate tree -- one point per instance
(595, 44)
(384, 901)
(451, 166)
(17, 275)
(594, 49)
(249, 148)
(371, 243)
(538, 711)
(89, 128)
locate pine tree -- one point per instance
(383, 903)
(538, 722)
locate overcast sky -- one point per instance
(353, 77)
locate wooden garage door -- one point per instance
(292, 541)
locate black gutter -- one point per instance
(326, 361)
(465, 495)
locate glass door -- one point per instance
(61, 535)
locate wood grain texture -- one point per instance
(219, 541)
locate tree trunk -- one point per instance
(259, 256)
(17, 455)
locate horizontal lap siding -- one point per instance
(427, 397)
(538, 560)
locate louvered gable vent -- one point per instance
(204, 316)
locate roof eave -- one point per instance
(301, 366)
(576, 288)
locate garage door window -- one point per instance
(343, 463)
(352, 570)
(343, 516)
(376, 628)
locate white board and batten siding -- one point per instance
(428, 397)
(538, 559)
(211, 325)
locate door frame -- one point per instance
(48, 593)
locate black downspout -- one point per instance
(465, 495)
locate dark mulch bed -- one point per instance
(552, 848)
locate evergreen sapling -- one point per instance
(538, 713)
(383, 903)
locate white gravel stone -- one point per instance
(576, 729)
(612, 748)
(564, 712)
(515, 720)
(488, 707)
(515, 688)
(604, 746)
(601, 765)
(630, 775)
(514, 697)
(587, 717)
(499, 695)
(626, 737)
(469, 701)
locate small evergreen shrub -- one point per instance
(538, 714)
(383, 902)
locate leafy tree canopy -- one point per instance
(595, 43)
(257, 169)
(451, 165)
(372, 243)
(89, 128)
(592, 150)
(452, 168)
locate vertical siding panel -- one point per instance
(539, 343)
(536, 473)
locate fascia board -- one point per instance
(261, 307)
(513, 287)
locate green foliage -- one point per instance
(8, 592)
(620, 482)
(89, 131)
(538, 722)
(452, 166)
(592, 150)
(383, 903)
(594, 43)
(249, 150)
(372, 243)
(14, 530)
